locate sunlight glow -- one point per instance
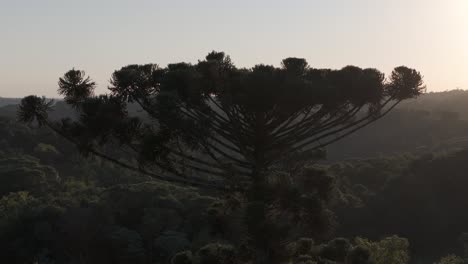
(431, 35)
(463, 19)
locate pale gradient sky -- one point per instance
(42, 39)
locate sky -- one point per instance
(41, 40)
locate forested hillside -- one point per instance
(9, 101)
(403, 201)
(234, 132)
(432, 122)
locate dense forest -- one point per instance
(392, 192)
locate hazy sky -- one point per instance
(42, 39)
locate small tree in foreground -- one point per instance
(214, 125)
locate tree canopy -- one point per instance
(215, 125)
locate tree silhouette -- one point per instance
(214, 125)
(221, 121)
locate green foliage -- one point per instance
(33, 108)
(125, 215)
(24, 173)
(390, 250)
(451, 259)
(225, 116)
(169, 243)
(304, 246)
(336, 250)
(75, 86)
(217, 254)
(184, 257)
(229, 129)
(26, 226)
(125, 246)
(305, 259)
(46, 153)
(46, 148)
(359, 255)
(213, 253)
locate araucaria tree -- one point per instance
(214, 125)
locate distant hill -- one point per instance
(61, 110)
(437, 104)
(9, 101)
(432, 122)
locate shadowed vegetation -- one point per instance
(228, 165)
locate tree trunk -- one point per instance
(259, 230)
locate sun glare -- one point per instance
(462, 17)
